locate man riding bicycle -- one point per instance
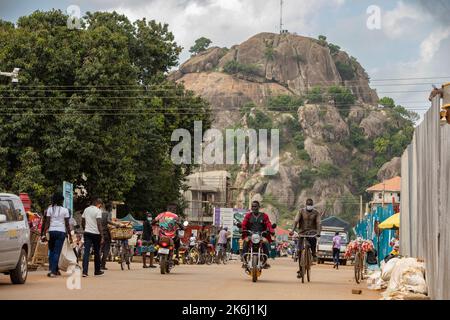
(223, 239)
(257, 221)
(308, 220)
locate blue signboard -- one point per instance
(68, 196)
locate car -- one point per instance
(14, 238)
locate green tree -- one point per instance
(322, 40)
(201, 44)
(93, 108)
(343, 99)
(284, 103)
(387, 102)
(315, 95)
(334, 49)
(345, 70)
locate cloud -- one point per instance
(438, 9)
(225, 22)
(431, 45)
(402, 20)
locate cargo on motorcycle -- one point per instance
(169, 234)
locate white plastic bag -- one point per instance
(67, 259)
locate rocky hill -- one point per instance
(320, 99)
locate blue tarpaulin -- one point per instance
(366, 229)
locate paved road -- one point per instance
(194, 282)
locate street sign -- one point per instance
(68, 196)
(228, 217)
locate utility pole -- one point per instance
(281, 16)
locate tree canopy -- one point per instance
(201, 44)
(93, 107)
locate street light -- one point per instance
(14, 75)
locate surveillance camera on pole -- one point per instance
(14, 75)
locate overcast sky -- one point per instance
(413, 42)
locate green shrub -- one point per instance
(328, 170)
(233, 67)
(306, 178)
(334, 49)
(269, 53)
(315, 95)
(260, 120)
(343, 99)
(299, 141)
(345, 70)
(284, 103)
(303, 154)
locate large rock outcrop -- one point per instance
(322, 122)
(390, 169)
(280, 64)
(314, 138)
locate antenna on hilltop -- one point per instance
(281, 16)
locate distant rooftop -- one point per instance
(387, 185)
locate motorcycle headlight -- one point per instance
(256, 238)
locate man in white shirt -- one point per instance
(92, 226)
(192, 241)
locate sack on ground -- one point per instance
(67, 258)
(386, 269)
(408, 275)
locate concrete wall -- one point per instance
(425, 205)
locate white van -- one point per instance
(14, 238)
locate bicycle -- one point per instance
(122, 253)
(305, 259)
(221, 254)
(359, 264)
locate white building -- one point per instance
(206, 190)
(386, 192)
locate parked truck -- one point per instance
(325, 244)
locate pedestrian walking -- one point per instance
(106, 234)
(147, 242)
(57, 224)
(92, 226)
(337, 239)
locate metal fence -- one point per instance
(366, 229)
(425, 205)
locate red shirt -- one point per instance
(266, 222)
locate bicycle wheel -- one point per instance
(308, 264)
(301, 265)
(122, 261)
(357, 268)
(128, 261)
(209, 259)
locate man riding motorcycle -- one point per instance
(169, 223)
(257, 221)
(308, 220)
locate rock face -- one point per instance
(314, 138)
(322, 123)
(390, 169)
(374, 124)
(318, 153)
(281, 64)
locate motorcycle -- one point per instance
(255, 259)
(165, 247)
